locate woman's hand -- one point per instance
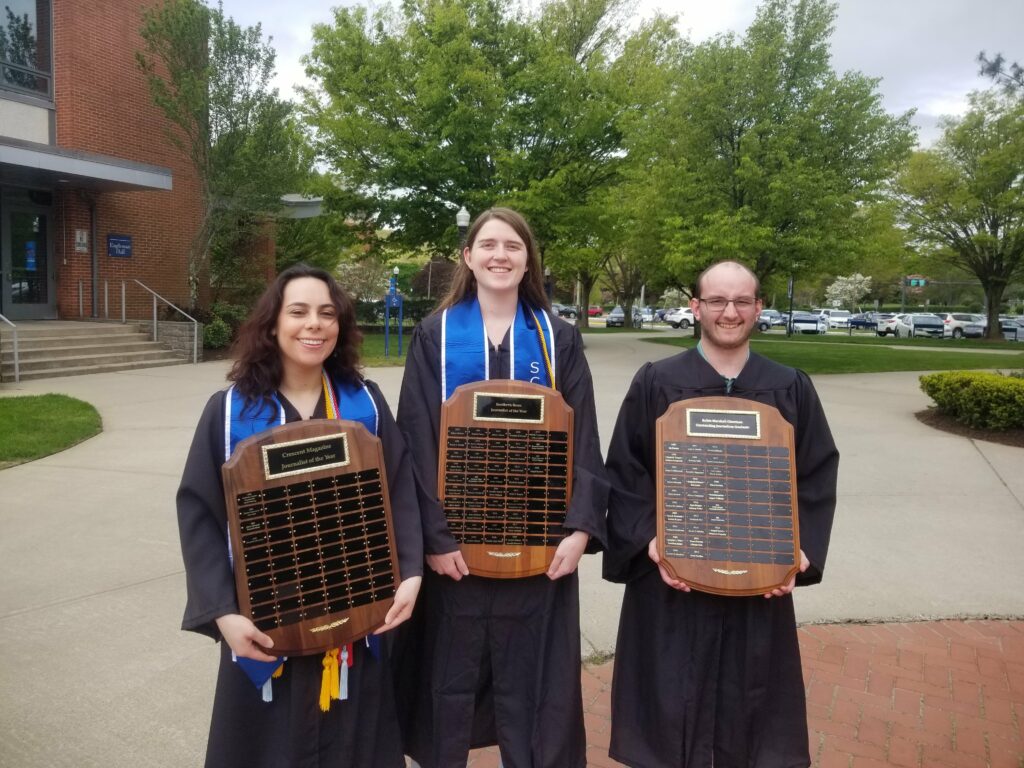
(652, 552)
(449, 564)
(243, 638)
(786, 588)
(568, 554)
(405, 601)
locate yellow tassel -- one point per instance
(329, 680)
(279, 671)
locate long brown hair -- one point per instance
(531, 288)
(257, 370)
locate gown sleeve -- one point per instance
(405, 510)
(631, 504)
(590, 481)
(419, 416)
(202, 526)
(817, 469)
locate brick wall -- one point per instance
(104, 106)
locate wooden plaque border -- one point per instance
(246, 471)
(726, 577)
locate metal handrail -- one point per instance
(17, 369)
(195, 323)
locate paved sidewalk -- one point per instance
(96, 673)
(918, 695)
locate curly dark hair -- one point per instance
(257, 370)
(531, 289)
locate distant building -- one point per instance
(91, 192)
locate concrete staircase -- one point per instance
(51, 348)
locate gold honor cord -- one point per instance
(544, 346)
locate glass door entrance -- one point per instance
(26, 269)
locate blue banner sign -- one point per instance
(119, 246)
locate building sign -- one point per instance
(119, 246)
(82, 240)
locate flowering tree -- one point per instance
(849, 290)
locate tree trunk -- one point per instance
(993, 299)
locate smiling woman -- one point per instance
(38, 425)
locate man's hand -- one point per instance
(568, 555)
(243, 637)
(405, 601)
(786, 588)
(652, 552)
(449, 564)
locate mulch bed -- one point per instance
(938, 420)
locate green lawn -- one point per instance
(38, 425)
(843, 354)
(372, 353)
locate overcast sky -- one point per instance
(924, 50)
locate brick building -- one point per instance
(92, 194)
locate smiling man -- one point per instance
(702, 679)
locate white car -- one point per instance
(918, 324)
(807, 322)
(836, 318)
(680, 317)
(886, 324)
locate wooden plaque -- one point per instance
(311, 534)
(505, 475)
(727, 497)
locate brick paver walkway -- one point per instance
(917, 695)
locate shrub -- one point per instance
(981, 400)
(232, 314)
(216, 334)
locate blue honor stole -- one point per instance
(464, 346)
(244, 419)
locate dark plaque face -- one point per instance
(716, 423)
(509, 408)
(293, 458)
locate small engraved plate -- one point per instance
(298, 456)
(488, 406)
(714, 423)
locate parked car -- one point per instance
(918, 324)
(1012, 328)
(885, 323)
(659, 314)
(680, 317)
(770, 318)
(837, 318)
(960, 324)
(807, 322)
(863, 321)
(595, 311)
(563, 310)
(617, 318)
(648, 314)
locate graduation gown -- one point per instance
(290, 731)
(702, 679)
(489, 661)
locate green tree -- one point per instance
(763, 153)
(443, 103)
(211, 79)
(965, 197)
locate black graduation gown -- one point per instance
(701, 679)
(290, 731)
(489, 661)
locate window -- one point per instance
(25, 42)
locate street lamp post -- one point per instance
(462, 222)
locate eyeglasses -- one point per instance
(718, 304)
